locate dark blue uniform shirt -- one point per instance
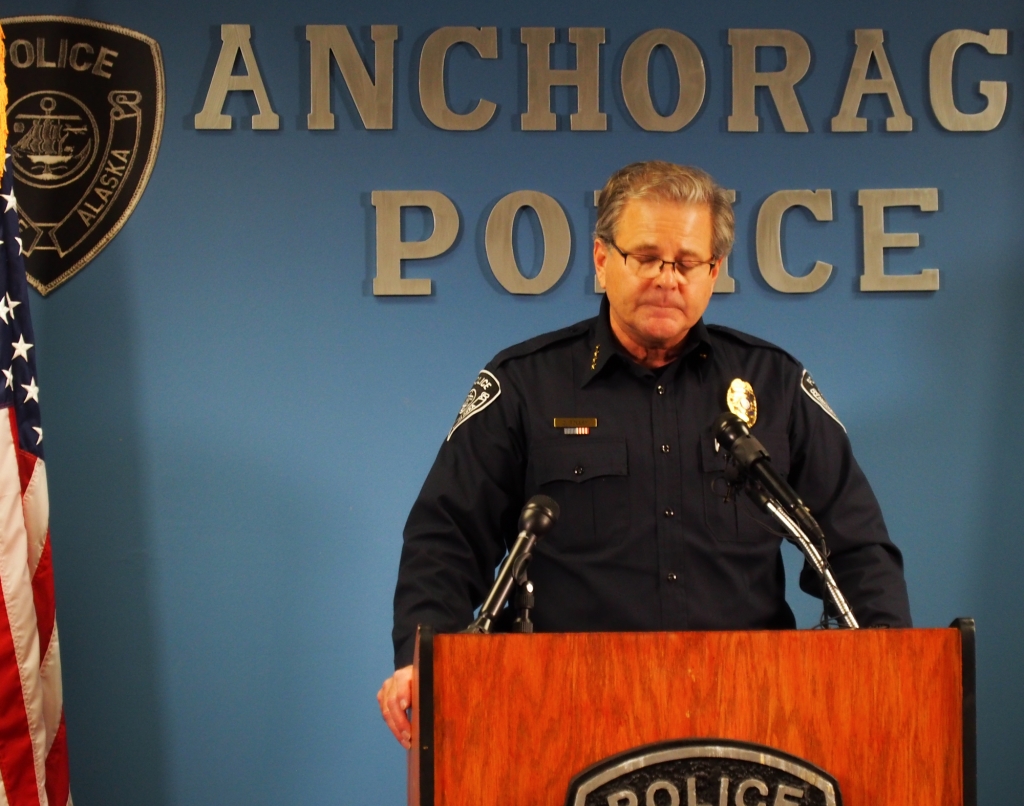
(645, 540)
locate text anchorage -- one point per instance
(373, 91)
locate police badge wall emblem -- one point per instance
(85, 114)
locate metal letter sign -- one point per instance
(85, 114)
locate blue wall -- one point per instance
(236, 427)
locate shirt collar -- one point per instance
(605, 348)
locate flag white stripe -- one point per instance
(17, 591)
(36, 505)
(53, 693)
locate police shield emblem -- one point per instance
(485, 391)
(85, 113)
(703, 771)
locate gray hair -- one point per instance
(668, 182)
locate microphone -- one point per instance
(754, 462)
(539, 515)
(773, 494)
(535, 521)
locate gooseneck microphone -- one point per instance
(773, 494)
(754, 462)
(535, 521)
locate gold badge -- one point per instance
(741, 401)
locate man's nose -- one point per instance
(668, 277)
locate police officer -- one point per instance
(610, 417)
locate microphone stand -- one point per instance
(814, 557)
(538, 516)
(521, 552)
(524, 600)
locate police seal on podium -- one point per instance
(703, 772)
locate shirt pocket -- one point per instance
(738, 520)
(589, 479)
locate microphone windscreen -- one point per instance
(728, 428)
(734, 436)
(539, 515)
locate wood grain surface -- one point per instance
(516, 716)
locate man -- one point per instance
(648, 538)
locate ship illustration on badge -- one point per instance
(85, 114)
(740, 400)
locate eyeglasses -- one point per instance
(647, 267)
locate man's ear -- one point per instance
(600, 258)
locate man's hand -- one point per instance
(395, 698)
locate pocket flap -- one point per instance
(711, 459)
(579, 459)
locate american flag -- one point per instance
(33, 745)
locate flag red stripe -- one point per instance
(42, 593)
(58, 783)
(17, 765)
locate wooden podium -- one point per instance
(508, 720)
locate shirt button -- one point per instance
(665, 449)
(671, 577)
(669, 513)
(661, 389)
(579, 470)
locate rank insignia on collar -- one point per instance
(575, 426)
(741, 401)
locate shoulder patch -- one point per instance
(811, 390)
(485, 391)
(538, 343)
